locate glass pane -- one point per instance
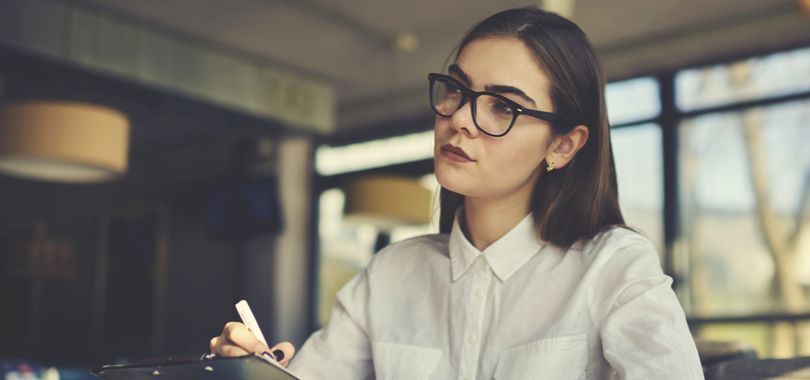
(633, 100)
(803, 332)
(374, 154)
(744, 182)
(772, 75)
(344, 250)
(637, 151)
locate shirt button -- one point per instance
(470, 338)
(476, 292)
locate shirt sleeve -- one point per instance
(644, 334)
(341, 349)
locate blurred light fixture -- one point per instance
(387, 201)
(330, 160)
(63, 141)
(406, 42)
(563, 8)
(804, 8)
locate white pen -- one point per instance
(249, 320)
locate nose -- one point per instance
(462, 120)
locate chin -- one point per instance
(449, 181)
(456, 183)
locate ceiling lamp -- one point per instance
(63, 141)
(563, 8)
(387, 202)
(406, 42)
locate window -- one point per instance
(637, 153)
(639, 164)
(632, 100)
(346, 248)
(745, 178)
(744, 183)
(777, 74)
(374, 154)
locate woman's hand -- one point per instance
(237, 340)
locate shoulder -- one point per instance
(419, 249)
(422, 241)
(621, 249)
(614, 237)
(395, 260)
(622, 264)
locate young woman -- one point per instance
(534, 275)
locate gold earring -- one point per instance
(550, 166)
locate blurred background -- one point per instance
(160, 160)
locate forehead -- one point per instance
(504, 61)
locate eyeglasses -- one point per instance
(492, 113)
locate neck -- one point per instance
(487, 220)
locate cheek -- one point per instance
(441, 126)
(513, 163)
(510, 173)
(519, 158)
(441, 134)
(504, 165)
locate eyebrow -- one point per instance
(456, 69)
(497, 88)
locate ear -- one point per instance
(564, 147)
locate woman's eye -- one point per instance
(502, 107)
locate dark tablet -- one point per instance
(248, 367)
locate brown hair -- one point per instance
(581, 199)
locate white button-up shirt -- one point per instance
(435, 307)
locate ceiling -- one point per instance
(348, 43)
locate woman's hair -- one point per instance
(581, 199)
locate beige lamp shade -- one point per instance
(63, 141)
(804, 8)
(387, 202)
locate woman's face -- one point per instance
(498, 167)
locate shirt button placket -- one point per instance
(471, 346)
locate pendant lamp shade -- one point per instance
(63, 141)
(387, 202)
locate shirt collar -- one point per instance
(505, 256)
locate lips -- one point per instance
(450, 149)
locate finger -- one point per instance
(214, 343)
(240, 336)
(283, 352)
(230, 326)
(230, 350)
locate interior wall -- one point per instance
(68, 319)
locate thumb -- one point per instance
(283, 352)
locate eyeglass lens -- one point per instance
(490, 113)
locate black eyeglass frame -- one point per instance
(472, 96)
